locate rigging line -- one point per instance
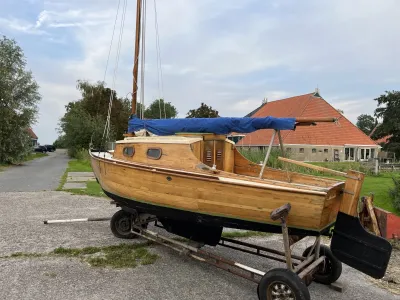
(112, 40)
(159, 64)
(106, 132)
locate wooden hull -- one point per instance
(232, 203)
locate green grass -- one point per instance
(119, 256)
(379, 186)
(79, 166)
(243, 234)
(116, 256)
(35, 155)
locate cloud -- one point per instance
(229, 54)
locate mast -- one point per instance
(136, 58)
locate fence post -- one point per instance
(376, 166)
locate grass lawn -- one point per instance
(35, 155)
(79, 166)
(379, 186)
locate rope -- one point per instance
(107, 127)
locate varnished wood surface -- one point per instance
(210, 197)
(351, 193)
(180, 179)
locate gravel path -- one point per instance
(37, 175)
(170, 277)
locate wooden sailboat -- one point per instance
(195, 181)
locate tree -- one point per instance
(204, 111)
(156, 110)
(389, 111)
(59, 143)
(366, 123)
(19, 96)
(85, 119)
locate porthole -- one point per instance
(129, 151)
(154, 153)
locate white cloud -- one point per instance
(229, 53)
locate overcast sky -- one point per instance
(229, 54)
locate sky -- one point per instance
(230, 54)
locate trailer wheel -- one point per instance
(282, 284)
(121, 224)
(330, 270)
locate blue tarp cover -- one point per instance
(210, 125)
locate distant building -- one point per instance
(385, 156)
(341, 141)
(34, 137)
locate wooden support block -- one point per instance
(337, 286)
(371, 213)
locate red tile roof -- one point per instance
(32, 134)
(383, 139)
(336, 134)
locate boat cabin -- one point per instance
(205, 153)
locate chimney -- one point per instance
(265, 100)
(316, 93)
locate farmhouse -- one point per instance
(33, 137)
(341, 141)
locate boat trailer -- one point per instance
(316, 264)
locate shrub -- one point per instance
(82, 154)
(394, 193)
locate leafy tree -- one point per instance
(366, 123)
(59, 143)
(85, 119)
(156, 110)
(19, 97)
(389, 111)
(204, 111)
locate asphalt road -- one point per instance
(171, 277)
(42, 174)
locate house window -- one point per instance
(288, 149)
(154, 153)
(314, 150)
(367, 153)
(349, 154)
(325, 150)
(129, 151)
(301, 150)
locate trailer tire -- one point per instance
(331, 269)
(282, 282)
(121, 224)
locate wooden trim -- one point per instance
(311, 120)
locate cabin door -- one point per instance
(214, 154)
